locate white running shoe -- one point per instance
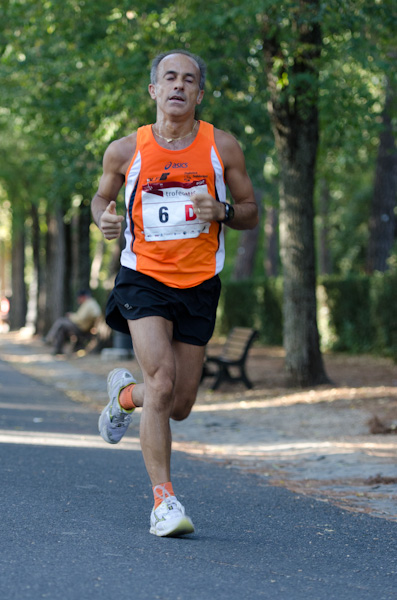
(114, 420)
(170, 519)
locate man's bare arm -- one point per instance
(103, 204)
(239, 184)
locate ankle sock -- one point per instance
(161, 491)
(125, 398)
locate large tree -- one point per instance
(292, 46)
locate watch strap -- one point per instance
(229, 213)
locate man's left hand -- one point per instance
(207, 208)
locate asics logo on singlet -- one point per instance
(172, 165)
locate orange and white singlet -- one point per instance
(164, 238)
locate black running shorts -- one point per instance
(191, 310)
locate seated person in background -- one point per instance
(77, 324)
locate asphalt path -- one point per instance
(75, 521)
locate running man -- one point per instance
(175, 173)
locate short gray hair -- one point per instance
(201, 65)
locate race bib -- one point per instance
(168, 212)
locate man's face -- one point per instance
(177, 90)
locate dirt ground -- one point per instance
(335, 442)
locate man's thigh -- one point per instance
(152, 341)
(157, 352)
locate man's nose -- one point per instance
(179, 83)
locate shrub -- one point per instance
(355, 313)
(384, 312)
(271, 311)
(238, 305)
(348, 306)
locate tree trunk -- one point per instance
(382, 221)
(32, 317)
(5, 286)
(294, 116)
(70, 267)
(55, 272)
(84, 262)
(18, 299)
(42, 282)
(42, 278)
(248, 244)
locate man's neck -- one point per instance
(173, 134)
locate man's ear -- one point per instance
(200, 96)
(152, 91)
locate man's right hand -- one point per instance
(110, 222)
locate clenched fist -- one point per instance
(207, 208)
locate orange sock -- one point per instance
(125, 398)
(160, 491)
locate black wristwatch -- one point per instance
(229, 213)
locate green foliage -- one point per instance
(384, 312)
(348, 220)
(356, 313)
(359, 313)
(349, 309)
(253, 303)
(239, 305)
(357, 57)
(271, 306)
(74, 77)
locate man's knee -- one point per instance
(159, 391)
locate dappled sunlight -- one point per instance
(34, 438)
(290, 450)
(21, 359)
(22, 406)
(255, 399)
(23, 334)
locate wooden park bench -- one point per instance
(233, 357)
